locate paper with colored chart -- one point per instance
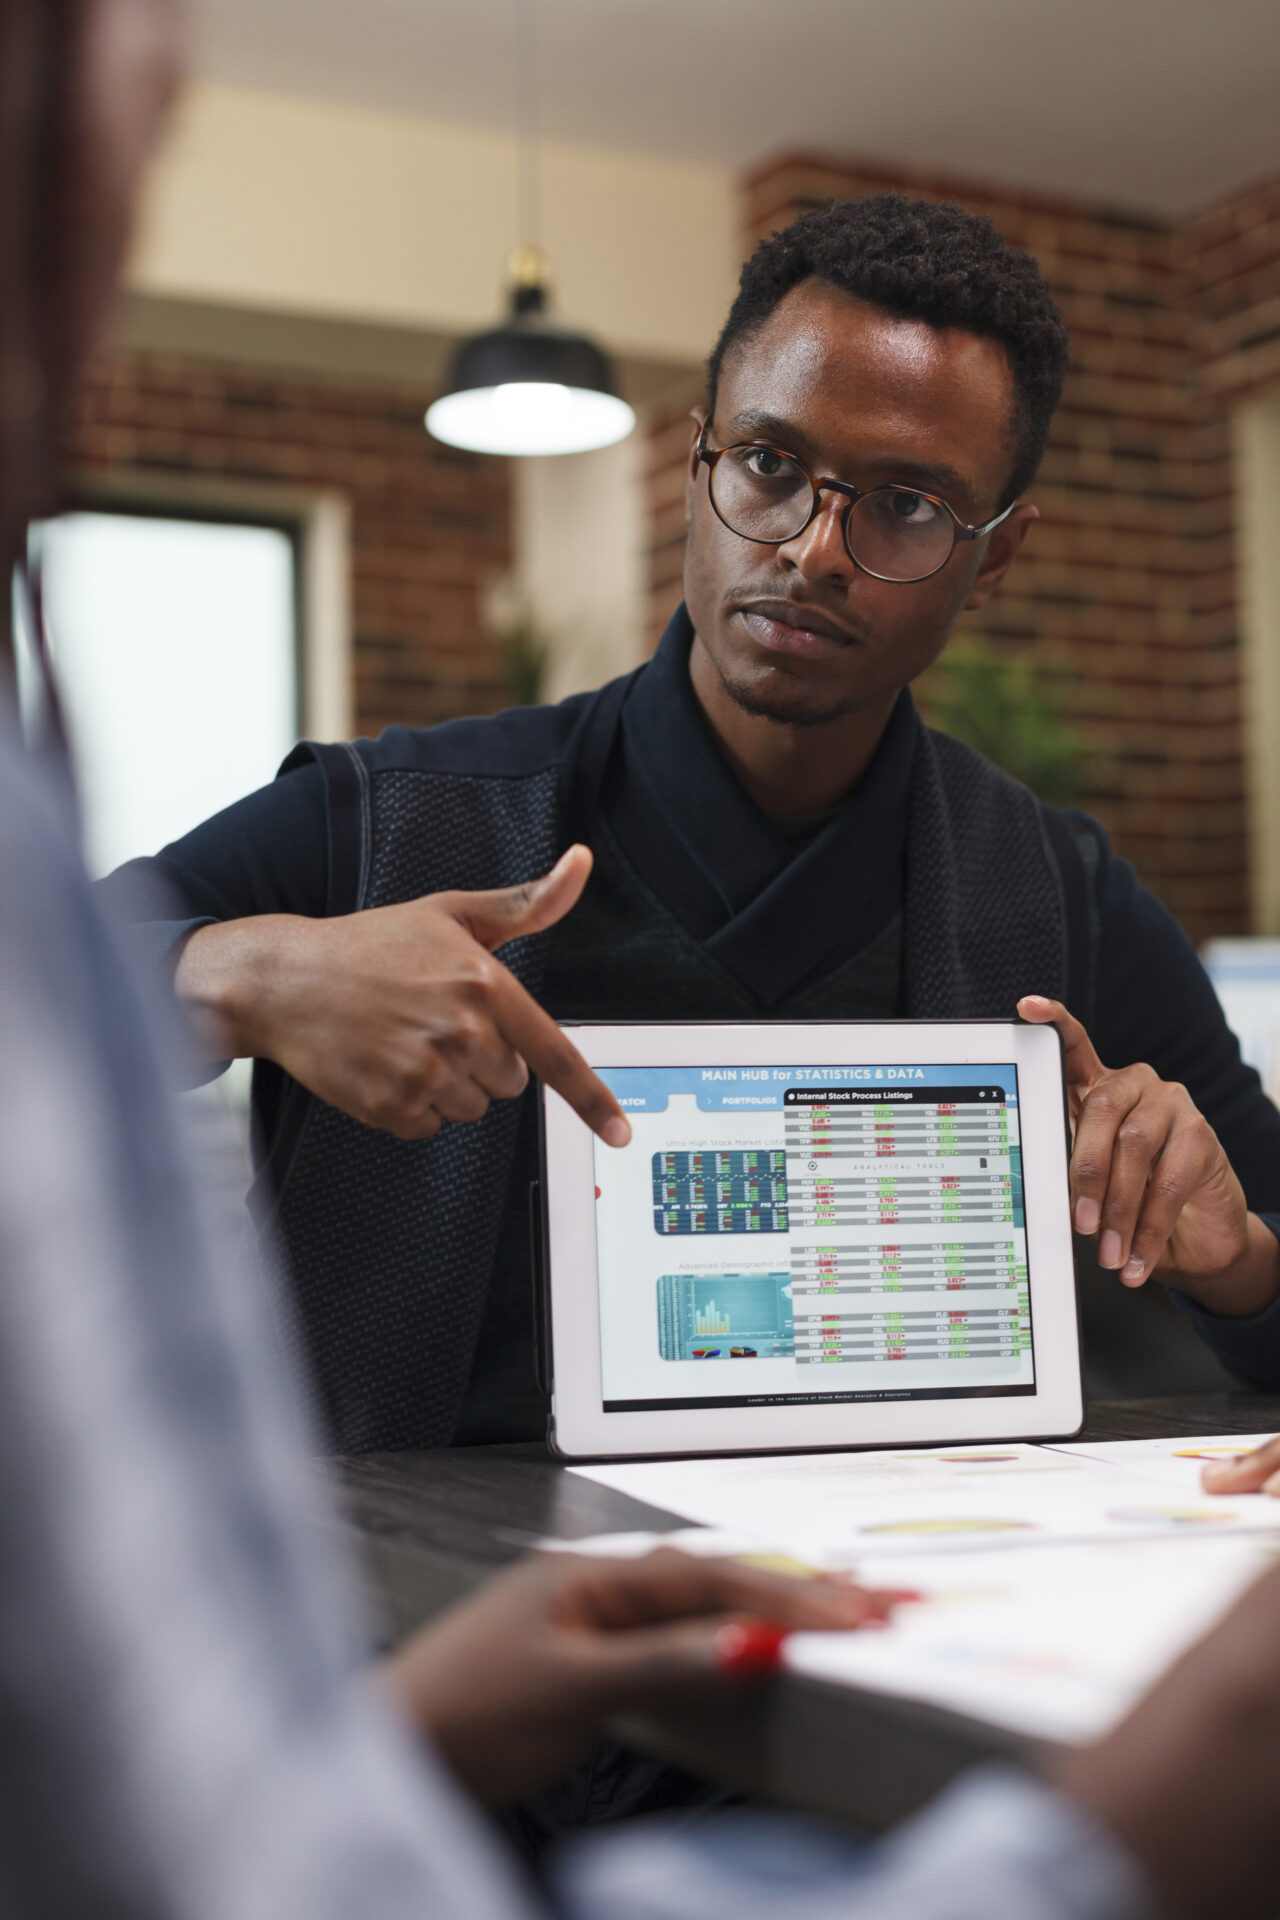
(1056, 1583)
(1057, 1645)
(1178, 1462)
(838, 1508)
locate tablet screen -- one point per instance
(784, 1235)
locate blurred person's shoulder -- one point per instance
(41, 866)
(63, 969)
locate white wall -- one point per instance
(262, 201)
(580, 525)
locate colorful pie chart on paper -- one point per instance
(1170, 1516)
(1016, 1462)
(1210, 1453)
(949, 1525)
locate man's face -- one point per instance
(798, 633)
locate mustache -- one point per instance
(843, 620)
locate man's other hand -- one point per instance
(1255, 1472)
(1190, 1782)
(1152, 1185)
(400, 1016)
(512, 1684)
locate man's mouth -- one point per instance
(786, 626)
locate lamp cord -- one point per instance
(525, 92)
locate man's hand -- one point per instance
(1150, 1181)
(400, 1016)
(1190, 1782)
(1255, 1472)
(512, 1684)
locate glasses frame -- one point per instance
(960, 529)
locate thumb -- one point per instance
(1081, 1063)
(508, 913)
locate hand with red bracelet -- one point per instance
(512, 1684)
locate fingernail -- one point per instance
(1109, 1249)
(616, 1132)
(1212, 1475)
(1134, 1269)
(754, 1647)
(1087, 1212)
(1033, 1000)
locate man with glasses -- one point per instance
(754, 825)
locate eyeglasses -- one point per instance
(893, 533)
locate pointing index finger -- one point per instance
(538, 1040)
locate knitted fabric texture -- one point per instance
(389, 1241)
(985, 917)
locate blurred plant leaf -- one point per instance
(1012, 711)
(524, 653)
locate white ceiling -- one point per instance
(1154, 105)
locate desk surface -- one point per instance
(431, 1526)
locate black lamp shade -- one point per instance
(528, 350)
(530, 387)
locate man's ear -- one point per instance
(1002, 551)
(698, 415)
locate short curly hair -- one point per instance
(920, 260)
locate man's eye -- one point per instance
(912, 509)
(765, 464)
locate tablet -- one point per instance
(852, 1235)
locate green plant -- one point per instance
(523, 654)
(1012, 711)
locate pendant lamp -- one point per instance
(529, 386)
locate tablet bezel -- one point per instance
(580, 1429)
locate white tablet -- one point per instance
(852, 1235)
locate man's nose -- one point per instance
(819, 553)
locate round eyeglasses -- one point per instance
(894, 533)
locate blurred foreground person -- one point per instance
(184, 1731)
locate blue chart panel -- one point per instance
(725, 1316)
(720, 1192)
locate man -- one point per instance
(771, 834)
(182, 1736)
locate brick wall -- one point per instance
(430, 526)
(1127, 582)
(1231, 257)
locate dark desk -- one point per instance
(430, 1526)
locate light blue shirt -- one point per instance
(184, 1730)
